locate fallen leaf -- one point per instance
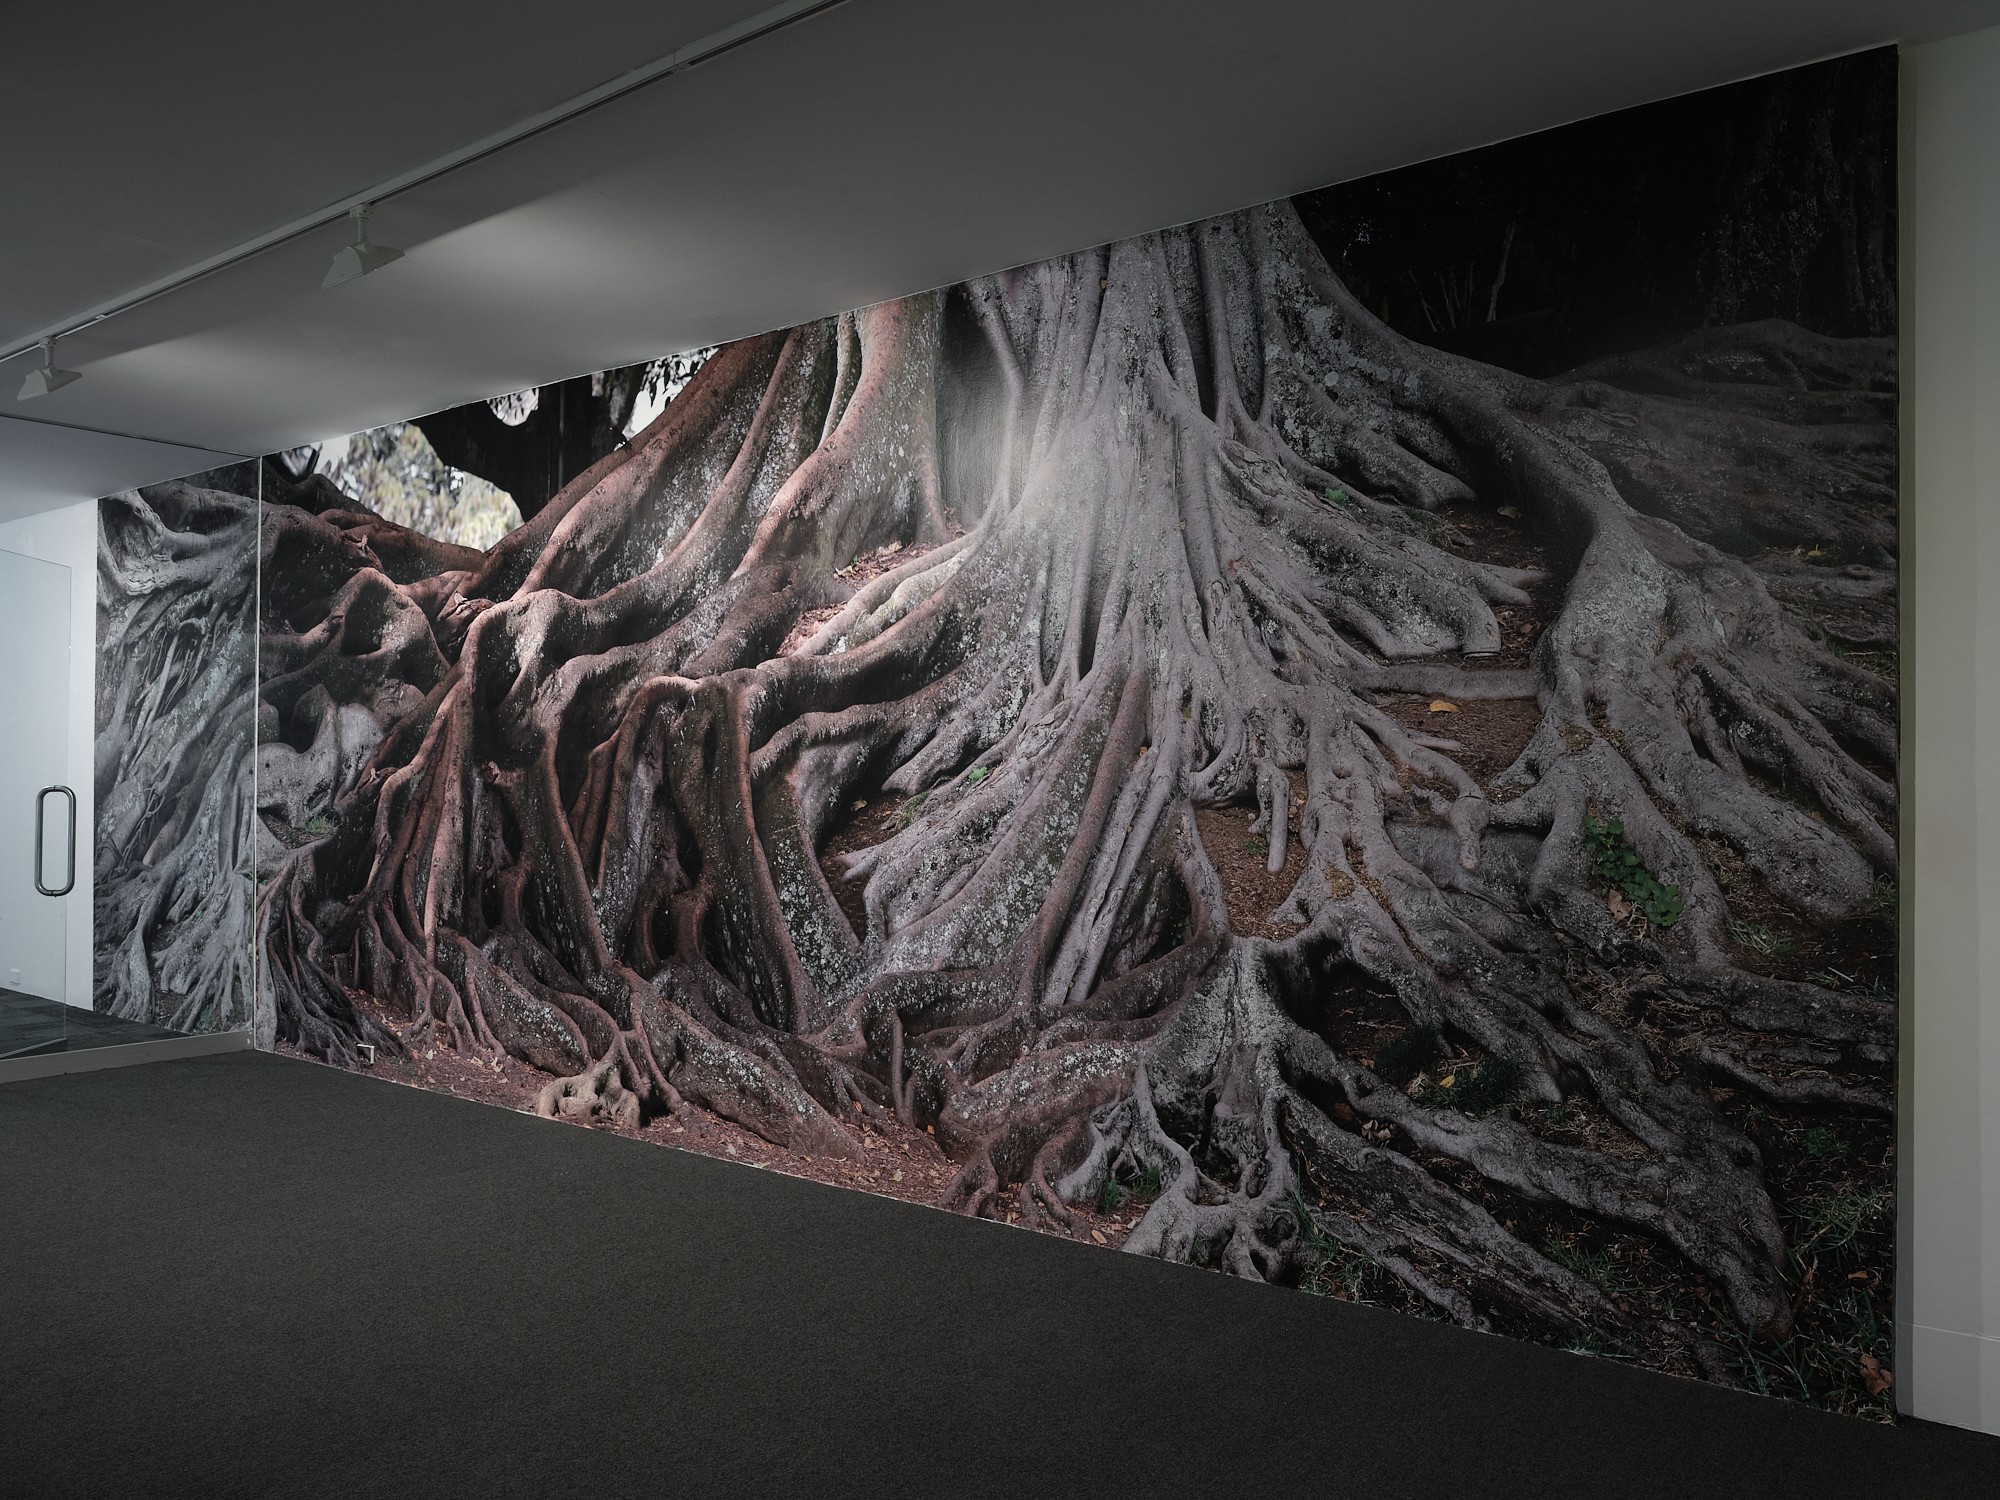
(1620, 907)
(1448, 1080)
(1098, 1235)
(892, 549)
(1874, 1379)
(859, 805)
(897, 1175)
(1511, 512)
(1440, 706)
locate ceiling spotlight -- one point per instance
(48, 377)
(361, 257)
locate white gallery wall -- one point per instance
(68, 535)
(1948, 1301)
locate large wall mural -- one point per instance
(1321, 744)
(176, 699)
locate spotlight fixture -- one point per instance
(361, 257)
(48, 377)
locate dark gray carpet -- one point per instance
(244, 1276)
(30, 1026)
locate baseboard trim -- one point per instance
(90, 1059)
(1953, 1376)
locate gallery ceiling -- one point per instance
(870, 148)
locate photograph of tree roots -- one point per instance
(1351, 744)
(173, 746)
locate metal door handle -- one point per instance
(41, 798)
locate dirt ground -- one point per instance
(902, 1163)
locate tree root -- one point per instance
(594, 1097)
(1175, 560)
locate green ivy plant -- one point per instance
(1618, 865)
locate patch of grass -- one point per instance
(1495, 1083)
(318, 826)
(1147, 1183)
(1837, 1354)
(1764, 940)
(1339, 497)
(1884, 664)
(1769, 1369)
(1403, 1057)
(1598, 1267)
(1830, 1367)
(1618, 865)
(1882, 900)
(1343, 1272)
(907, 813)
(1432, 529)
(976, 775)
(1333, 1269)
(1256, 846)
(1831, 1222)
(1110, 1195)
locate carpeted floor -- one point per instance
(245, 1276)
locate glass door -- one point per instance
(38, 832)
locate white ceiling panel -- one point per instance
(43, 466)
(872, 149)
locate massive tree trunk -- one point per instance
(1165, 510)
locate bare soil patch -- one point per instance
(902, 1163)
(863, 569)
(1250, 890)
(1490, 732)
(869, 822)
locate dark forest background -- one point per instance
(1773, 198)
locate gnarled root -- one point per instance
(1158, 522)
(594, 1097)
